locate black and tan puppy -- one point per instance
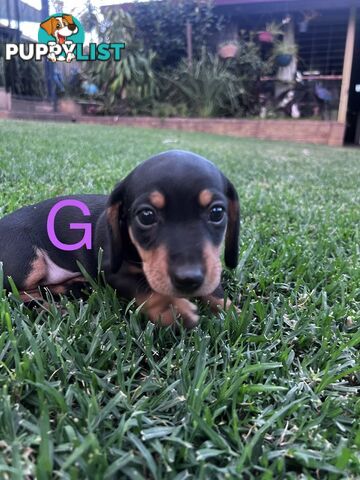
(161, 232)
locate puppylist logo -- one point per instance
(61, 38)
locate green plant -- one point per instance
(25, 77)
(275, 28)
(248, 67)
(162, 28)
(133, 75)
(21, 77)
(285, 48)
(212, 86)
(206, 87)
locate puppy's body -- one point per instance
(24, 233)
(160, 231)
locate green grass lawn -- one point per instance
(89, 389)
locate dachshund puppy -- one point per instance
(161, 231)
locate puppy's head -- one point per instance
(60, 27)
(176, 208)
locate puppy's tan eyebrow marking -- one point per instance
(157, 199)
(205, 197)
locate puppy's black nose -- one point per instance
(187, 279)
(72, 26)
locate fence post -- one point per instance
(49, 66)
(189, 43)
(347, 66)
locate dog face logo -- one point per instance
(62, 33)
(60, 27)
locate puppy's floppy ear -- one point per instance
(69, 19)
(48, 26)
(114, 213)
(233, 226)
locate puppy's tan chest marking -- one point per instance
(44, 271)
(37, 272)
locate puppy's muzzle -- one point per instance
(187, 278)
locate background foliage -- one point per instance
(133, 76)
(162, 28)
(26, 77)
(155, 77)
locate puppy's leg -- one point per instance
(31, 295)
(217, 302)
(162, 309)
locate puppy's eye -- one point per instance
(146, 217)
(216, 214)
(58, 25)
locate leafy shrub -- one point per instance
(133, 75)
(21, 77)
(162, 28)
(162, 83)
(216, 87)
(207, 87)
(249, 66)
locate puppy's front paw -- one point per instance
(187, 311)
(216, 304)
(163, 310)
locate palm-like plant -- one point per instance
(133, 73)
(207, 86)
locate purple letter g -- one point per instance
(86, 240)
